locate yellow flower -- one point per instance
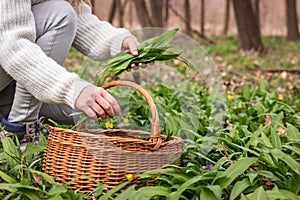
(125, 120)
(235, 107)
(78, 67)
(129, 177)
(230, 96)
(109, 124)
(280, 97)
(198, 149)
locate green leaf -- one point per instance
(265, 140)
(239, 187)
(216, 190)
(7, 178)
(251, 177)
(42, 140)
(128, 193)
(281, 194)
(275, 139)
(56, 189)
(236, 169)
(159, 41)
(246, 93)
(32, 149)
(149, 191)
(243, 197)
(267, 174)
(110, 192)
(176, 195)
(292, 163)
(12, 153)
(259, 193)
(7, 187)
(207, 194)
(46, 177)
(292, 131)
(294, 149)
(30, 194)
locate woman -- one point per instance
(35, 37)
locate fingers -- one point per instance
(113, 102)
(137, 66)
(133, 49)
(96, 102)
(132, 46)
(106, 104)
(130, 43)
(89, 112)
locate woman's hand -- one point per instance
(96, 102)
(130, 43)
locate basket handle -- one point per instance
(155, 128)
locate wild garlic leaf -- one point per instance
(153, 49)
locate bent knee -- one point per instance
(59, 12)
(67, 14)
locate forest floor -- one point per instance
(278, 64)
(254, 156)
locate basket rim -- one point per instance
(102, 132)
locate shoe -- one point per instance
(26, 132)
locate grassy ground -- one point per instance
(278, 64)
(254, 156)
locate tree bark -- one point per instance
(292, 20)
(187, 15)
(255, 7)
(156, 10)
(166, 12)
(248, 30)
(227, 16)
(142, 13)
(112, 11)
(120, 12)
(202, 17)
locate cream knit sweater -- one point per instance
(25, 62)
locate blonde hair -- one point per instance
(77, 2)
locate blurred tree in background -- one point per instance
(247, 18)
(292, 20)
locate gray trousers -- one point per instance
(55, 22)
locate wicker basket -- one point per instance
(107, 155)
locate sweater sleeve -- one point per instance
(25, 62)
(97, 39)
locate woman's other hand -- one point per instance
(96, 102)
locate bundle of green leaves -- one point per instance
(153, 49)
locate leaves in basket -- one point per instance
(153, 49)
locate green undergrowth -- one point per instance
(250, 151)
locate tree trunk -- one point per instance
(187, 15)
(120, 12)
(142, 13)
(255, 7)
(249, 36)
(202, 15)
(292, 20)
(166, 12)
(156, 10)
(226, 19)
(112, 11)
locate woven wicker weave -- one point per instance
(107, 155)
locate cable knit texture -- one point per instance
(25, 62)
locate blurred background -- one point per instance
(205, 16)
